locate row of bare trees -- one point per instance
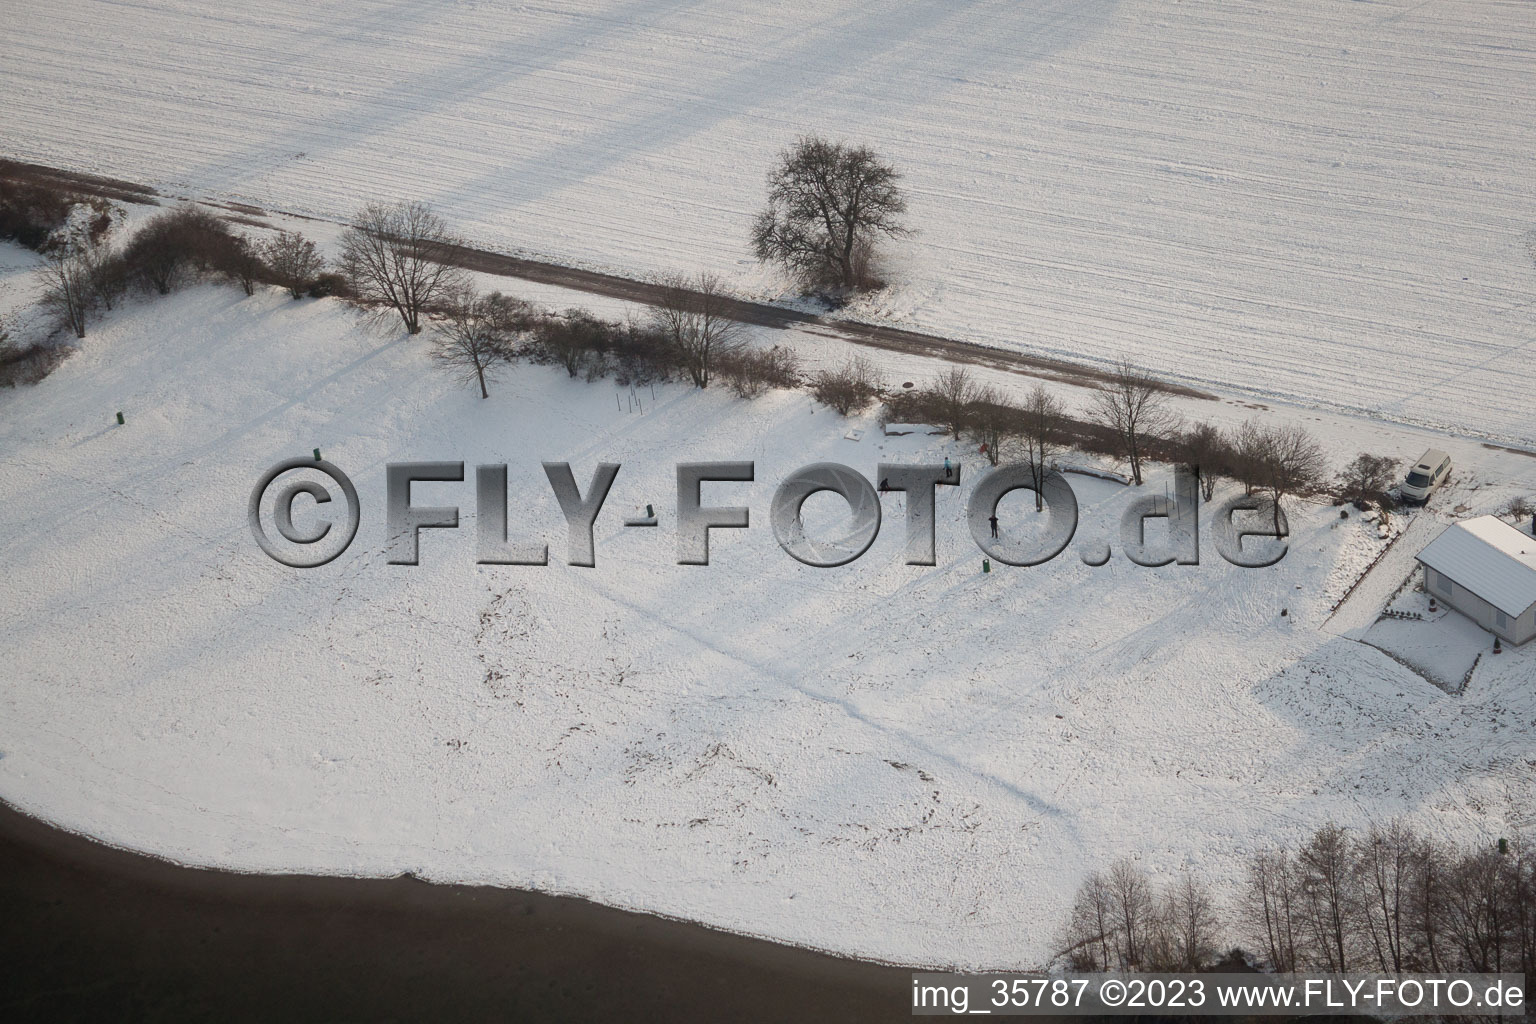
(399, 260)
(1389, 899)
(1121, 921)
(1129, 417)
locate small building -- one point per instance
(1485, 569)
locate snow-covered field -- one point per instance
(917, 764)
(1324, 200)
(1329, 203)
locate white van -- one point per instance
(1430, 472)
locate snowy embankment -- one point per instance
(909, 763)
(1322, 201)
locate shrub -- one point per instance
(293, 260)
(331, 285)
(178, 245)
(31, 213)
(748, 373)
(575, 339)
(28, 364)
(847, 389)
(1368, 477)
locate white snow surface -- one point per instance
(1323, 201)
(914, 764)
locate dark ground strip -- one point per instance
(761, 314)
(90, 932)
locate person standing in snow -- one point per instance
(993, 521)
(946, 467)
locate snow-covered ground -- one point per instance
(1319, 200)
(917, 764)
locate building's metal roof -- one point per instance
(1490, 558)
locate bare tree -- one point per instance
(1289, 462)
(849, 388)
(1427, 904)
(476, 334)
(692, 315)
(1247, 444)
(1368, 476)
(1384, 872)
(1134, 406)
(952, 395)
(293, 260)
(1131, 898)
(394, 255)
(67, 291)
(1479, 920)
(245, 265)
(828, 205)
(993, 420)
(1038, 436)
(1328, 898)
(1189, 931)
(1208, 455)
(1090, 940)
(1270, 907)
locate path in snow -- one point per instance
(1363, 606)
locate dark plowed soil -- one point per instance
(93, 933)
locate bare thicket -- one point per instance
(1368, 476)
(1522, 508)
(574, 339)
(849, 388)
(1133, 405)
(176, 246)
(394, 254)
(692, 315)
(829, 204)
(951, 397)
(476, 334)
(292, 260)
(43, 215)
(750, 372)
